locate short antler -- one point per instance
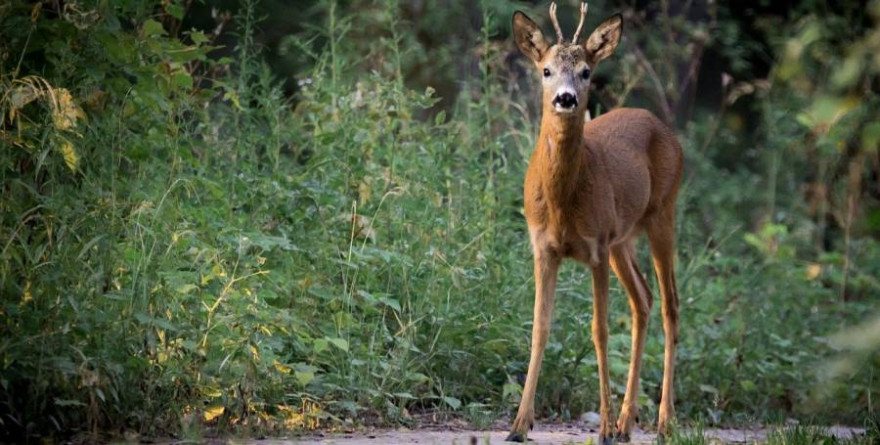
(581, 24)
(553, 19)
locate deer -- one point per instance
(591, 189)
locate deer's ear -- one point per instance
(529, 38)
(604, 39)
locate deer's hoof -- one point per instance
(608, 440)
(515, 437)
(623, 438)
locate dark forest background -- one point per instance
(255, 217)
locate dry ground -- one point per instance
(548, 434)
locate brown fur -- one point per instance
(590, 190)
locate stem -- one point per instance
(334, 71)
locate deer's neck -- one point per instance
(560, 155)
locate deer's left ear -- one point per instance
(604, 39)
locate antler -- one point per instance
(553, 19)
(581, 24)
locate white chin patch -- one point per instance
(561, 110)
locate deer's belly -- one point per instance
(579, 242)
(585, 250)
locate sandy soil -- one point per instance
(549, 434)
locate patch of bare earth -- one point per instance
(542, 434)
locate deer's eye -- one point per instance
(586, 73)
(546, 72)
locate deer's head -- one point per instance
(566, 67)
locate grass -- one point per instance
(796, 434)
(690, 436)
(804, 435)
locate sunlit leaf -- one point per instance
(213, 413)
(282, 368)
(65, 112)
(26, 295)
(813, 271)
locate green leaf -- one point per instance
(152, 28)
(198, 37)
(320, 345)
(186, 288)
(417, 377)
(849, 72)
(175, 10)
(709, 389)
(182, 79)
(390, 302)
(304, 377)
(511, 389)
(452, 402)
(871, 137)
(304, 373)
(160, 323)
(320, 292)
(88, 246)
(338, 342)
(66, 402)
(119, 49)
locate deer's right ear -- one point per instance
(529, 38)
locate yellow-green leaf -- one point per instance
(70, 156)
(213, 413)
(339, 343)
(304, 377)
(282, 368)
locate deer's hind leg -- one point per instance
(661, 233)
(623, 261)
(600, 277)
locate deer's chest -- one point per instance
(569, 230)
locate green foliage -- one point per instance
(187, 251)
(692, 436)
(812, 435)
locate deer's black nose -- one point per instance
(565, 100)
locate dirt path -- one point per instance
(549, 434)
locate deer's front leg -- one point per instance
(546, 265)
(600, 340)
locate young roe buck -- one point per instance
(590, 190)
